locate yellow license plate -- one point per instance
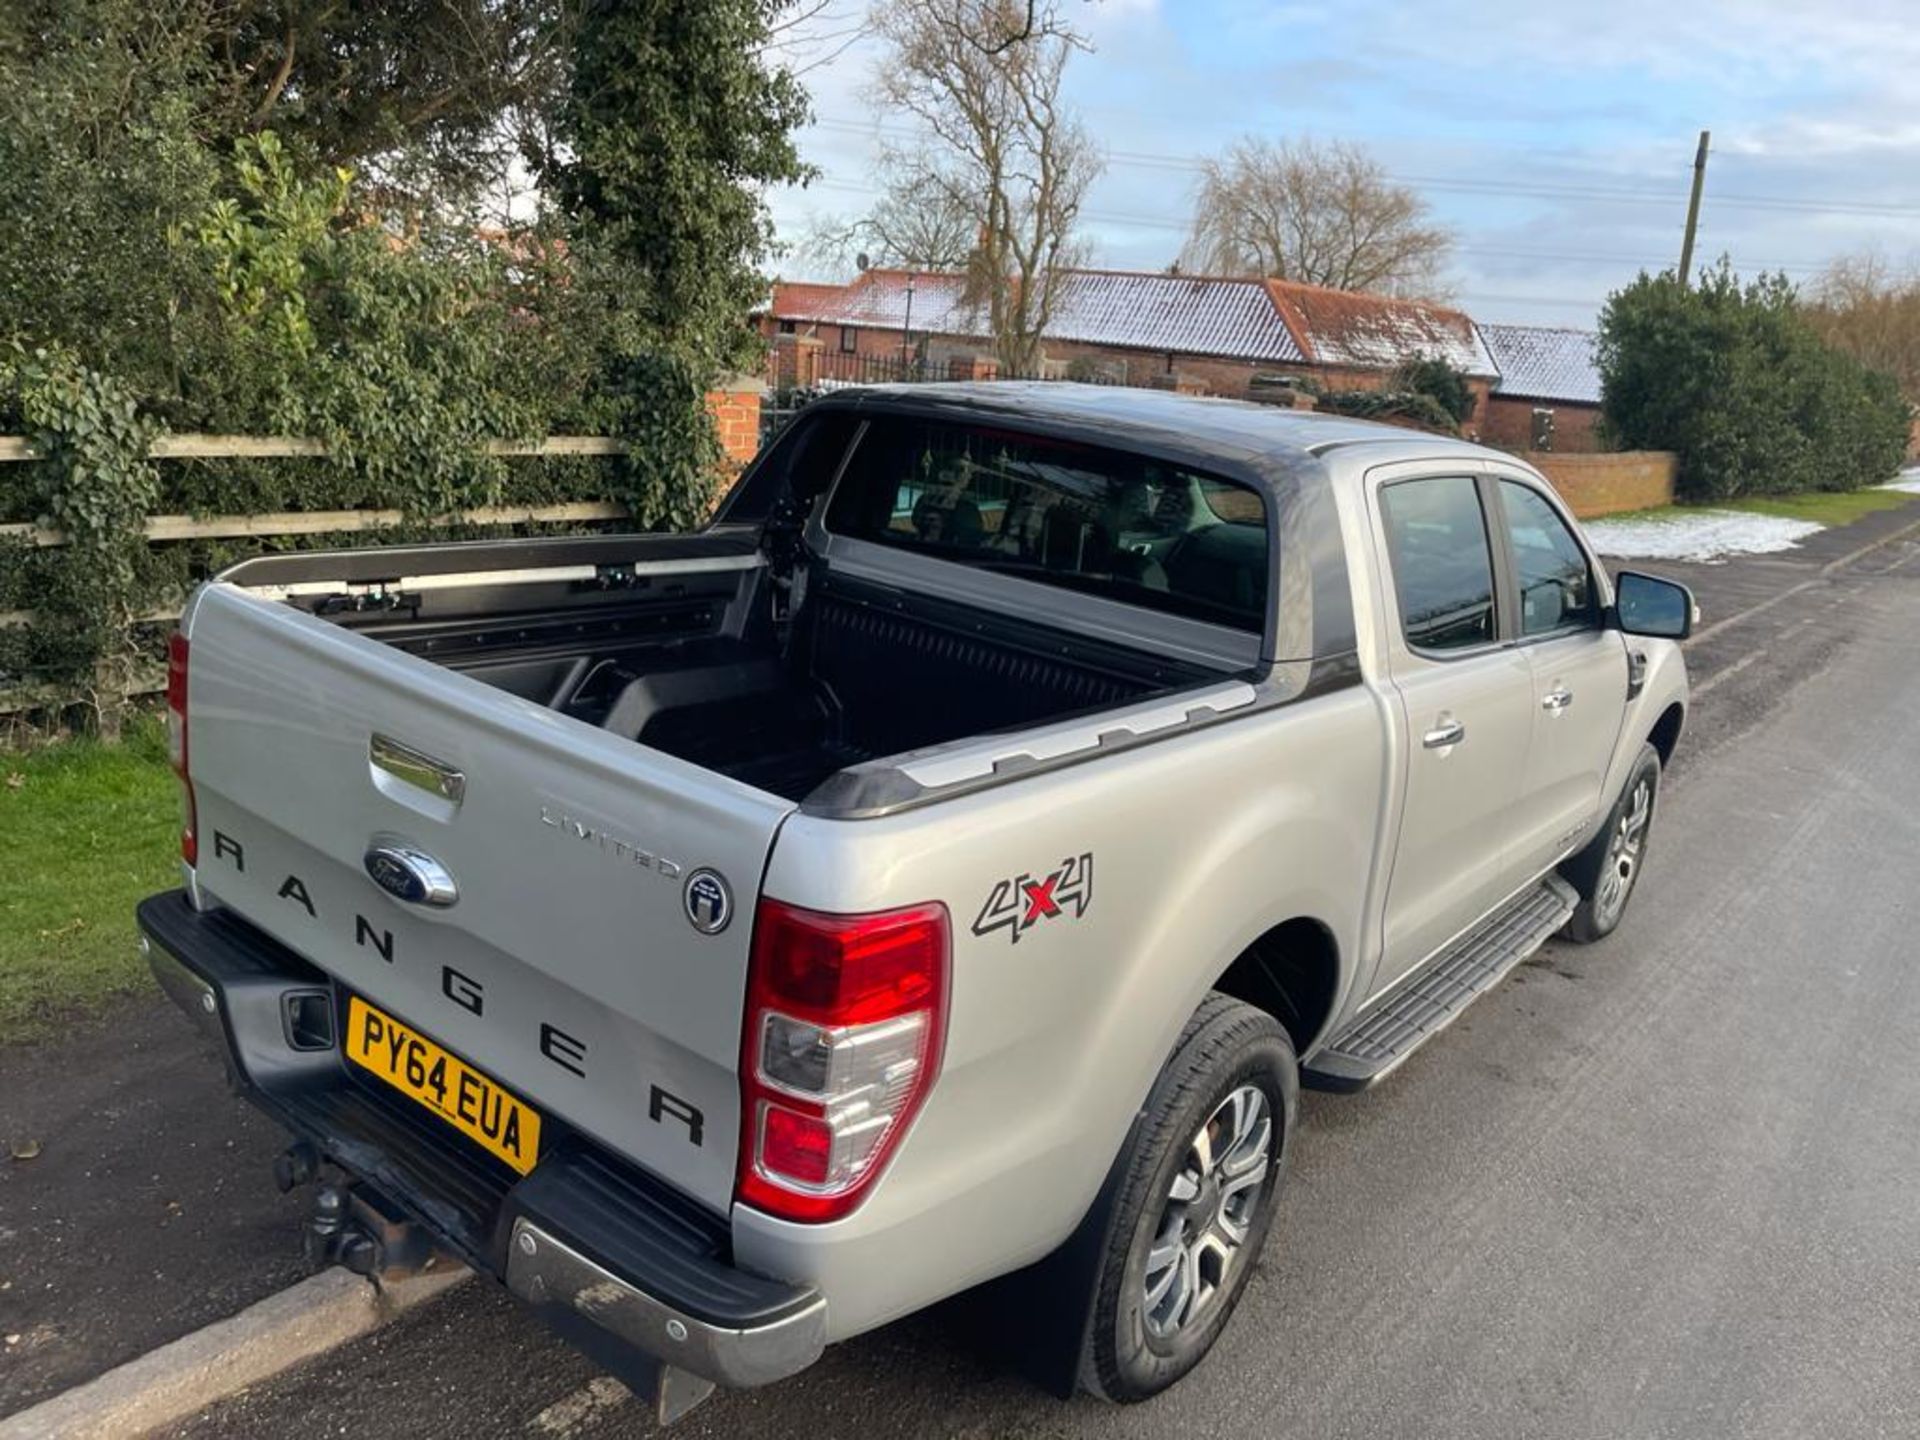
(471, 1102)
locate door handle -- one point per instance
(1447, 732)
(1556, 699)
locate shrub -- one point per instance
(1404, 407)
(1733, 380)
(193, 244)
(1444, 383)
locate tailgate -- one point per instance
(569, 965)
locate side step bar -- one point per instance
(1378, 1040)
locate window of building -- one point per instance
(849, 340)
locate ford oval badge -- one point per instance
(408, 873)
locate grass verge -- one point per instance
(1822, 507)
(87, 830)
(1825, 507)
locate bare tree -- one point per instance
(1869, 308)
(916, 225)
(1322, 214)
(982, 78)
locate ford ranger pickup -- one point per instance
(942, 869)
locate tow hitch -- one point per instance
(353, 1225)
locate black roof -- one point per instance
(1242, 430)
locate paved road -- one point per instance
(148, 1211)
(1661, 1187)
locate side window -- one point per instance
(1556, 584)
(1442, 565)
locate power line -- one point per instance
(1151, 222)
(1469, 185)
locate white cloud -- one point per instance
(1540, 113)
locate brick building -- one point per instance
(1548, 390)
(1208, 334)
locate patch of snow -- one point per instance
(1909, 481)
(1698, 535)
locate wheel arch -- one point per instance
(1291, 971)
(1665, 734)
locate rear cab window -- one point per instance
(1123, 526)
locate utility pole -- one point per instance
(906, 332)
(1693, 210)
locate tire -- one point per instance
(1617, 855)
(1232, 1071)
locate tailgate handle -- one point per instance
(413, 767)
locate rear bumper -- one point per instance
(622, 1265)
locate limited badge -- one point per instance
(708, 901)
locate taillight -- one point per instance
(846, 1017)
(177, 744)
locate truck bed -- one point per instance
(700, 664)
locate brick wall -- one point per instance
(735, 407)
(811, 352)
(1201, 373)
(831, 340)
(1606, 484)
(1507, 421)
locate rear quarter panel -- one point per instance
(1198, 844)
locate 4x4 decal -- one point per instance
(1017, 905)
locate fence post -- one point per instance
(110, 687)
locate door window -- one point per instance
(1556, 583)
(1442, 566)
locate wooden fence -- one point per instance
(161, 529)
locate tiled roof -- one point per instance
(1537, 363)
(1376, 332)
(1238, 319)
(1188, 315)
(801, 300)
(1185, 314)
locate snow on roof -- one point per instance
(1235, 318)
(804, 300)
(1540, 363)
(1184, 314)
(1189, 315)
(1347, 327)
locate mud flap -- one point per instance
(667, 1390)
(1051, 1301)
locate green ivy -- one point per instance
(1408, 405)
(1443, 381)
(93, 481)
(179, 255)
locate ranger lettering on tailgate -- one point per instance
(567, 1052)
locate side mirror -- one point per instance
(1648, 605)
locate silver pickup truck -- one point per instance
(943, 869)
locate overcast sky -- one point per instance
(1556, 137)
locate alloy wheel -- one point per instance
(1209, 1212)
(1624, 850)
